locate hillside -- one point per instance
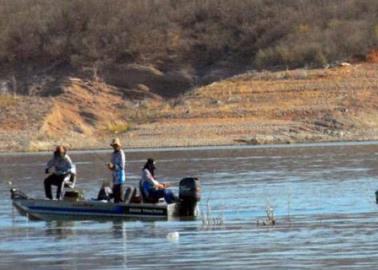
(170, 47)
(201, 72)
(299, 105)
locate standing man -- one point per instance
(117, 166)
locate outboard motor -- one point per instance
(189, 194)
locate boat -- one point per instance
(74, 207)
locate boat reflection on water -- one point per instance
(60, 229)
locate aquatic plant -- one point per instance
(208, 219)
(270, 219)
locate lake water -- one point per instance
(322, 196)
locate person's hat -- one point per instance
(115, 141)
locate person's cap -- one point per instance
(115, 141)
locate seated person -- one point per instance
(105, 193)
(151, 187)
(63, 167)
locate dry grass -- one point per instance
(264, 95)
(7, 101)
(117, 127)
(270, 107)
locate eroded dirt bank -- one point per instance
(336, 104)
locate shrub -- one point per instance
(117, 127)
(199, 32)
(6, 100)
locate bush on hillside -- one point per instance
(199, 33)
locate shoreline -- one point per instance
(204, 147)
(267, 108)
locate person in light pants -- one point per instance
(117, 166)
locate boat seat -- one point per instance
(129, 193)
(105, 193)
(69, 181)
(145, 197)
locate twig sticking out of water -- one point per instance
(270, 220)
(288, 205)
(208, 220)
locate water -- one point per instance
(322, 195)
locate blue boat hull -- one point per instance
(50, 209)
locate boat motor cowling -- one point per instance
(189, 194)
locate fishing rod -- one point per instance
(98, 157)
(9, 183)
